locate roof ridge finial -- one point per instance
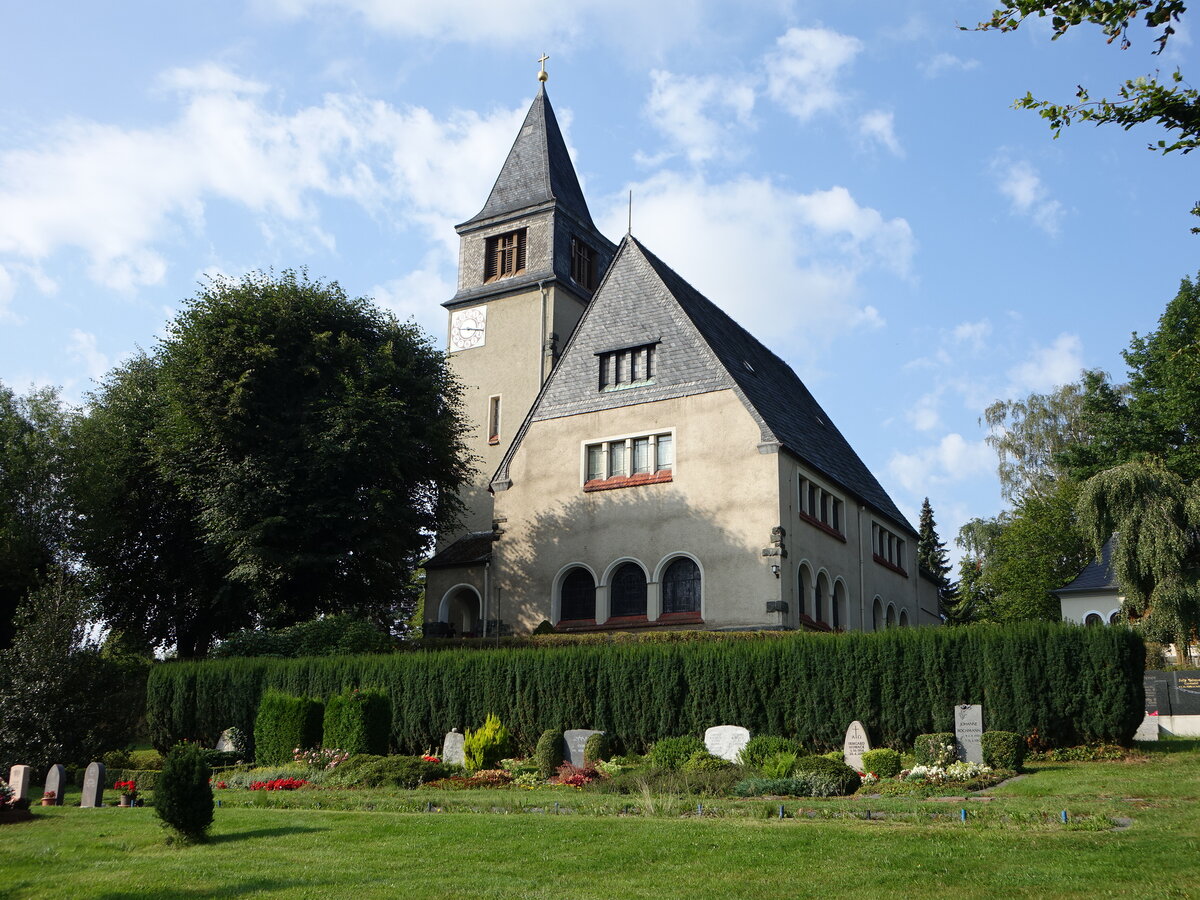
(543, 74)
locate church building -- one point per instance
(643, 461)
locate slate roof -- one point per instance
(472, 548)
(787, 410)
(1097, 575)
(538, 170)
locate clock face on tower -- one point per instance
(467, 328)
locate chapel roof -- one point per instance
(1097, 575)
(538, 170)
(472, 548)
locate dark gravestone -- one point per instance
(1158, 693)
(93, 786)
(56, 780)
(1185, 693)
(574, 742)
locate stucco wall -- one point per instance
(1077, 607)
(718, 508)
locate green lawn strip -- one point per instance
(114, 853)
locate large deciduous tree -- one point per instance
(1168, 102)
(294, 449)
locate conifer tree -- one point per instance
(931, 554)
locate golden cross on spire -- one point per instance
(543, 74)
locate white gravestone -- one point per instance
(1148, 730)
(452, 748)
(18, 780)
(726, 741)
(225, 742)
(574, 744)
(856, 744)
(56, 780)
(93, 786)
(968, 732)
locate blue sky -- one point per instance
(849, 181)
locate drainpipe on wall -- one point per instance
(862, 596)
(541, 357)
(487, 592)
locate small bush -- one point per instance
(695, 784)
(486, 746)
(835, 755)
(836, 776)
(936, 749)
(802, 784)
(671, 753)
(759, 747)
(284, 723)
(183, 797)
(597, 749)
(117, 759)
(883, 762)
(1003, 750)
(779, 765)
(366, 770)
(548, 754)
(145, 759)
(705, 762)
(358, 721)
(1082, 753)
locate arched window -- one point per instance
(904, 618)
(891, 615)
(804, 581)
(578, 595)
(841, 615)
(627, 592)
(1114, 617)
(1093, 619)
(877, 615)
(681, 587)
(820, 593)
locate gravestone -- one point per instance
(574, 743)
(93, 786)
(1158, 693)
(1185, 693)
(1148, 729)
(452, 748)
(856, 744)
(56, 780)
(726, 741)
(18, 780)
(968, 732)
(225, 743)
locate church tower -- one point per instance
(529, 262)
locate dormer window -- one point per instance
(583, 264)
(505, 255)
(625, 368)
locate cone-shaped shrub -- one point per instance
(358, 722)
(183, 797)
(548, 754)
(285, 723)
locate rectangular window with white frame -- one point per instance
(628, 461)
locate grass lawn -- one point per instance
(1014, 845)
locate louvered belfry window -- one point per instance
(583, 264)
(505, 255)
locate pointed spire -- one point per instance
(538, 170)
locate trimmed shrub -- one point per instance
(358, 722)
(183, 797)
(1073, 685)
(802, 784)
(284, 723)
(597, 749)
(145, 759)
(1003, 750)
(366, 770)
(117, 759)
(705, 762)
(935, 749)
(883, 762)
(669, 754)
(548, 754)
(759, 747)
(327, 636)
(486, 746)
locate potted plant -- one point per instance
(49, 799)
(128, 791)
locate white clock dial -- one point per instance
(467, 328)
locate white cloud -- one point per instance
(7, 290)
(952, 459)
(120, 195)
(705, 117)
(785, 265)
(924, 414)
(973, 333)
(1027, 195)
(419, 296)
(803, 68)
(1048, 367)
(946, 62)
(83, 349)
(878, 127)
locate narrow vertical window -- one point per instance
(665, 453)
(616, 459)
(641, 456)
(595, 462)
(494, 419)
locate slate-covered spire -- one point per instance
(538, 170)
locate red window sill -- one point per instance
(817, 523)
(812, 624)
(624, 481)
(887, 565)
(572, 624)
(494, 439)
(680, 618)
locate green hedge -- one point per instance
(358, 722)
(283, 723)
(1073, 684)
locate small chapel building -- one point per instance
(644, 462)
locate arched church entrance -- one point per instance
(461, 608)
